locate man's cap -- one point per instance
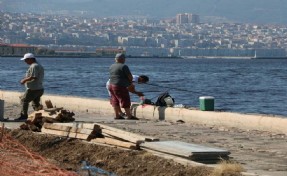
(120, 56)
(28, 55)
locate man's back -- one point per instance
(119, 75)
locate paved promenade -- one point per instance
(263, 152)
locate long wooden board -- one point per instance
(117, 133)
(64, 133)
(79, 125)
(187, 150)
(181, 160)
(115, 142)
(133, 135)
(60, 127)
(123, 136)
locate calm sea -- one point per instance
(238, 85)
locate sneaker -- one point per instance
(119, 118)
(21, 118)
(40, 107)
(123, 114)
(132, 118)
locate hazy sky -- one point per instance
(251, 11)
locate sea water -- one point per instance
(237, 85)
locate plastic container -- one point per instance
(206, 103)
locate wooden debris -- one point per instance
(116, 133)
(50, 114)
(96, 133)
(74, 129)
(32, 127)
(35, 117)
(53, 109)
(65, 133)
(129, 135)
(103, 134)
(122, 136)
(58, 128)
(49, 104)
(115, 142)
(2, 132)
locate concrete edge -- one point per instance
(224, 119)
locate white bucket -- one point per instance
(1, 110)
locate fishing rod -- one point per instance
(184, 90)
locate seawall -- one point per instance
(274, 124)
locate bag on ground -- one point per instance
(164, 100)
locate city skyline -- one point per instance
(142, 36)
(239, 11)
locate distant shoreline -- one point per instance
(162, 57)
(268, 57)
(215, 57)
(85, 56)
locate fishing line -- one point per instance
(184, 90)
(160, 94)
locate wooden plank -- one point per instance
(122, 136)
(35, 117)
(60, 127)
(76, 125)
(80, 125)
(64, 133)
(49, 104)
(89, 125)
(183, 161)
(192, 151)
(51, 115)
(115, 142)
(119, 134)
(53, 109)
(133, 135)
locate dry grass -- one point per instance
(227, 168)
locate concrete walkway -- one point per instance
(258, 142)
(103, 108)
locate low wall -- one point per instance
(99, 106)
(224, 119)
(227, 119)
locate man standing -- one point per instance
(33, 82)
(142, 79)
(120, 86)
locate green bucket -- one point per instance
(206, 103)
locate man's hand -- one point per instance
(140, 94)
(132, 89)
(23, 81)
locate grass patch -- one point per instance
(228, 168)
